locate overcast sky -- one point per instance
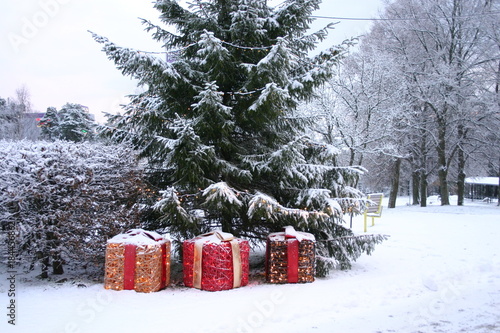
(45, 46)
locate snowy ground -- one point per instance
(438, 272)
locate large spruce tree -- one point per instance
(216, 123)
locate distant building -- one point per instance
(37, 116)
(30, 125)
(481, 187)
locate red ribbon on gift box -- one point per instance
(129, 267)
(292, 255)
(130, 256)
(197, 258)
(165, 268)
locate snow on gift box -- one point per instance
(290, 257)
(137, 260)
(216, 261)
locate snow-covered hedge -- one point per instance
(62, 200)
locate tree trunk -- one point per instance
(443, 168)
(498, 193)
(57, 265)
(443, 186)
(53, 243)
(224, 16)
(45, 261)
(423, 189)
(395, 183)
(461, 173)
(461, 188)
(423, 166)
(415, 187)
(497, 91)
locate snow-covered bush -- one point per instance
(65, 199)
(73, 123)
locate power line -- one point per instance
(401, 18)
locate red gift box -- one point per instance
(215, 261)
(290, 257)
(137, 260)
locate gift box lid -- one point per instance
(290, 232)
(139, 237)
(216, 236)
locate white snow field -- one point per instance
(438, 272)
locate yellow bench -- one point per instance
(373, 207)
